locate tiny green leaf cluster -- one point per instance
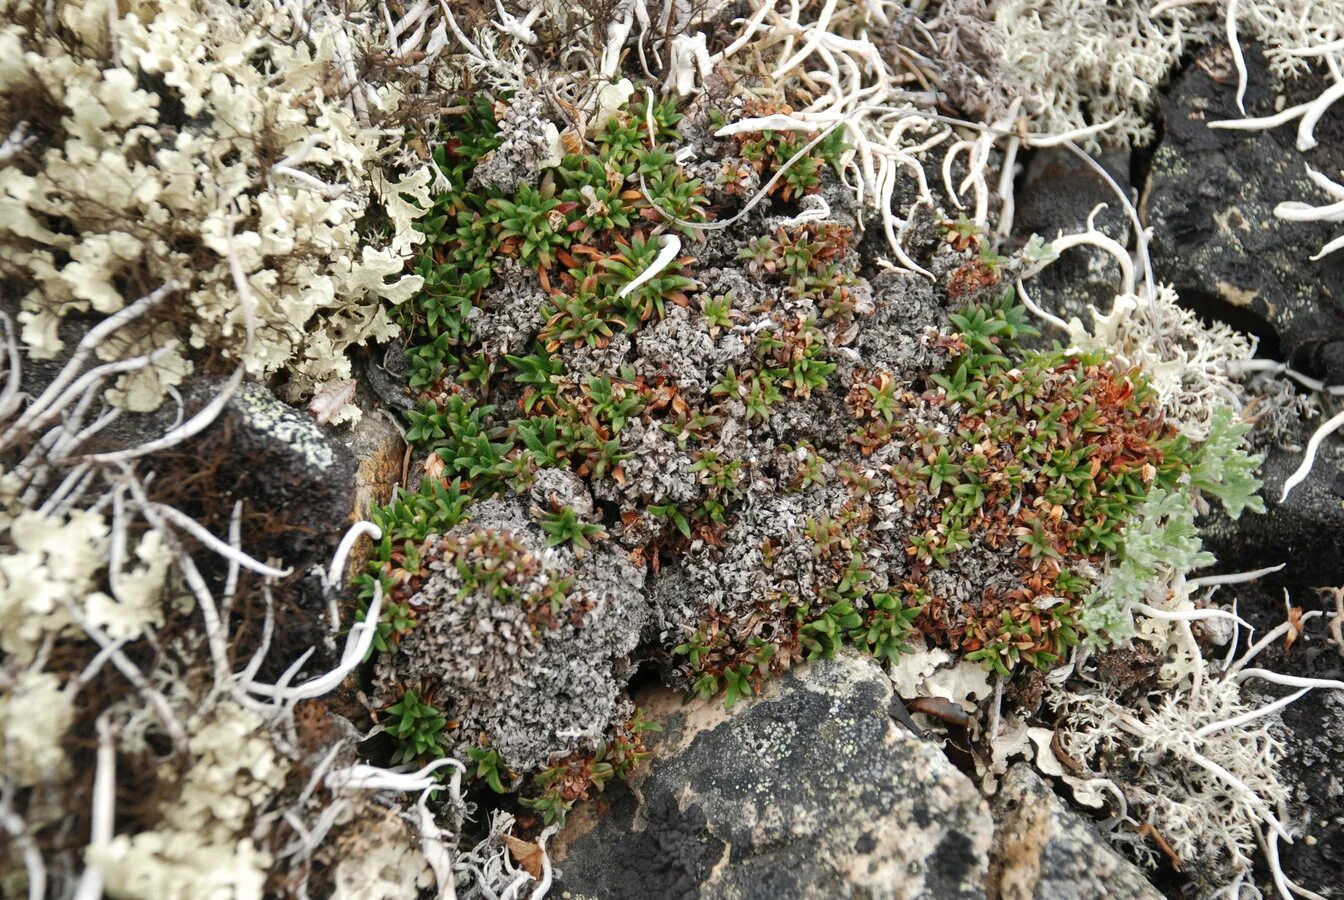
(769, 152)
(416, 726)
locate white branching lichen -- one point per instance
(1080, 63)
(201, 848)
(1203, 760)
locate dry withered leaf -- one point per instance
(526, 854)
(1294, 627)
(1147, 830)
(939, 708)
(434, 466)
(330, 399)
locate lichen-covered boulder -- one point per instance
(1044, 850)
(290, 460)
(810, 790)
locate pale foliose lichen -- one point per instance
(55, 561)
(136, 604)
(201, 144)
(236, 770)
(178, 864)
(202, 847)
(35, 714)
(59, 562)
(382, 863)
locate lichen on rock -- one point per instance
(810, 789)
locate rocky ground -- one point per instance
(826, 783)
(744, 482)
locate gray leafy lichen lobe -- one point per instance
(538, 682)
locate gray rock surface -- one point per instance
(810, 790)
(376, 443)
(1046, 851)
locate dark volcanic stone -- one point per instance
(1058, 193)
(1210, 200)
(292, 463)
(809, 791)
(1313, 771)
(1305, 534)
(1311, 763)
(299, 486)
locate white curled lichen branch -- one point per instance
(1333, 424)
(1096, 238)
(1295, 211)
(667, 252)
(357, 645)
(1308, 115)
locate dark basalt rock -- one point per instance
(1311, 762)
(1311, 767)
(259, 449)
(1058, 193)
(288, 462)
(1305, 533)
(300, 488)
(1210, 200)
(808, 791)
